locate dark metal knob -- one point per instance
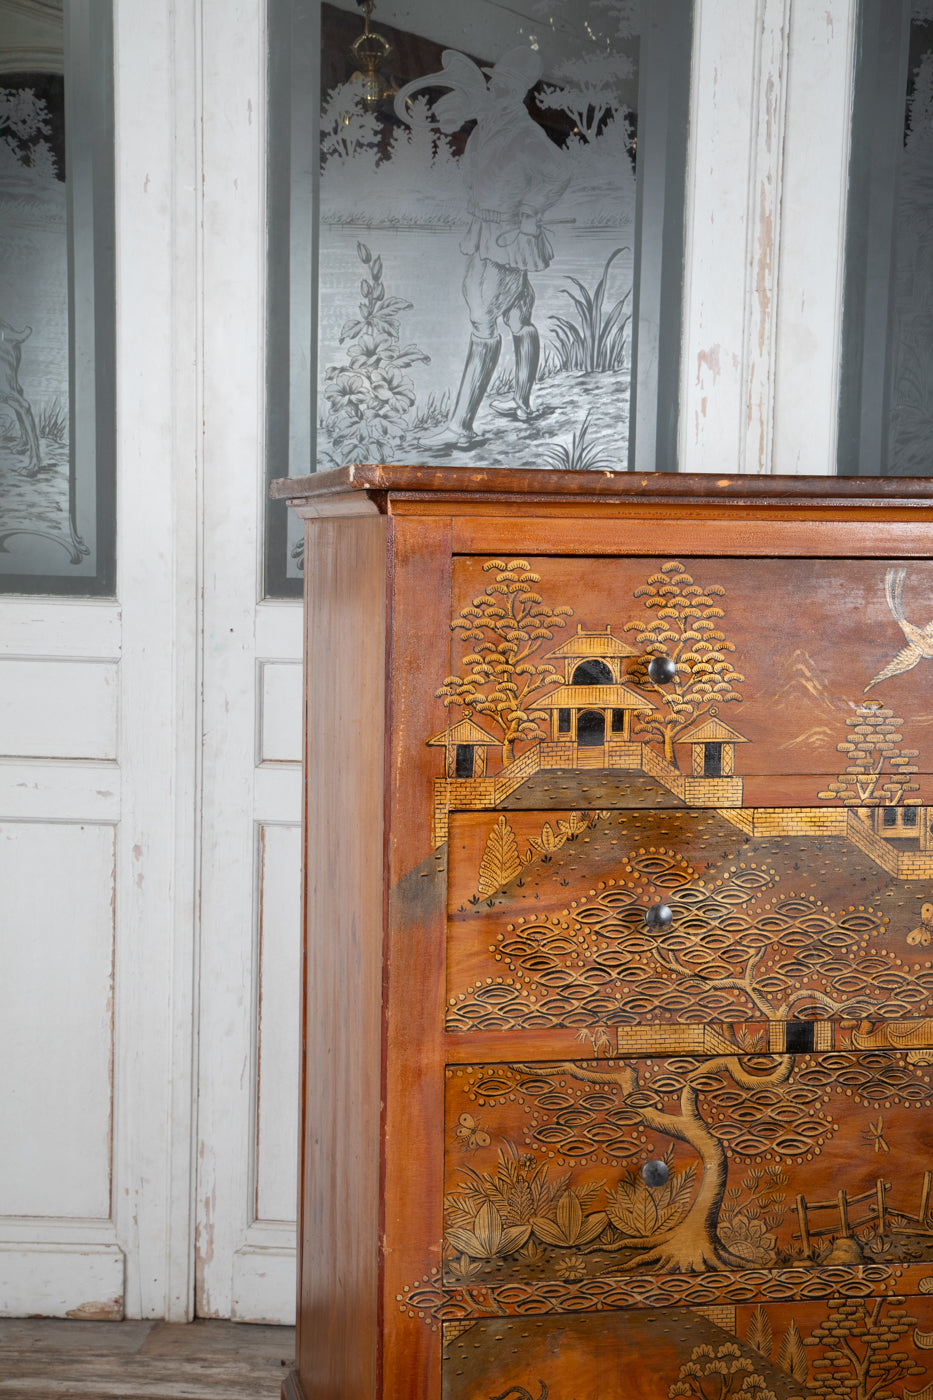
(659, 916)
(662, 670)
(655, 1173)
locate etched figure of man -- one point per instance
(513, 174)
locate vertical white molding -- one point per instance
(764, 234)
(234, 48)
(810, 305)
(722, 87)
(157, 195)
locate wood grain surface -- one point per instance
(340, 1225)
(524, 1044)
(52, 1360)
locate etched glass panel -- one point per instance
(493, 224)
(886, 400)
(56, 305)
(477, 229)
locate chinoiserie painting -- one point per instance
(476, 240)
(36, 527)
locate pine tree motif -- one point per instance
(685, 627)
(791, 1356)
(759, 1333)
(878, 770)
(861, 1356)
(508, 623)
(501, 861)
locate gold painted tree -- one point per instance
(685, 627)
(501, 860)
(721, 1375)
(878, 771)
(501, 677)
(863, 1356)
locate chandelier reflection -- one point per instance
(370, 50)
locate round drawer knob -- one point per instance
(659, 916)
(655, 1173)
(662, 670)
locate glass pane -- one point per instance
(486, 245)
(886, 400)
(56, 340)
(476, 237)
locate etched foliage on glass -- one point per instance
(497, 193)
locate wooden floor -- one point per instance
(51, 1360)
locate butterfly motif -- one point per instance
(923, 933)
(471, 1134)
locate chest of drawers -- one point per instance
(618, 1007)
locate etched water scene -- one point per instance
(37, 530)
(477, 227)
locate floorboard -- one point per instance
(57, 1360)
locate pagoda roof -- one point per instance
(593, 697)
(463, 732)
(713, 731)
(592, 644)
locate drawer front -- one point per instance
(790, 928)
(794, 683)
(858, 1343)
(561, 1175)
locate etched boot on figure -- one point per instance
(527, 354)
(481, 361)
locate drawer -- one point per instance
(869, 1339)
(792, 683)
(568, 1173)
(792, 928)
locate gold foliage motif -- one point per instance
(638, 1209)
(501, 861)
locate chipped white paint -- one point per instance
(247, 1112)
(157, 552)
(816, 161)
(763, 231)
(767, 171)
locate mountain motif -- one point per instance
(804, 704)
(816, 738)
(804, 689)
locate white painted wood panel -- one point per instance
(815, 184)
(277, 791)
(768, 154)
(278, 1022)
(69, 627)
(280, 687)
(81, 1281)
(58, 708)
(158, 184)
(252, 732)
(56, 1033)
(59, 791)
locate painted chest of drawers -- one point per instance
(618, 1017)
